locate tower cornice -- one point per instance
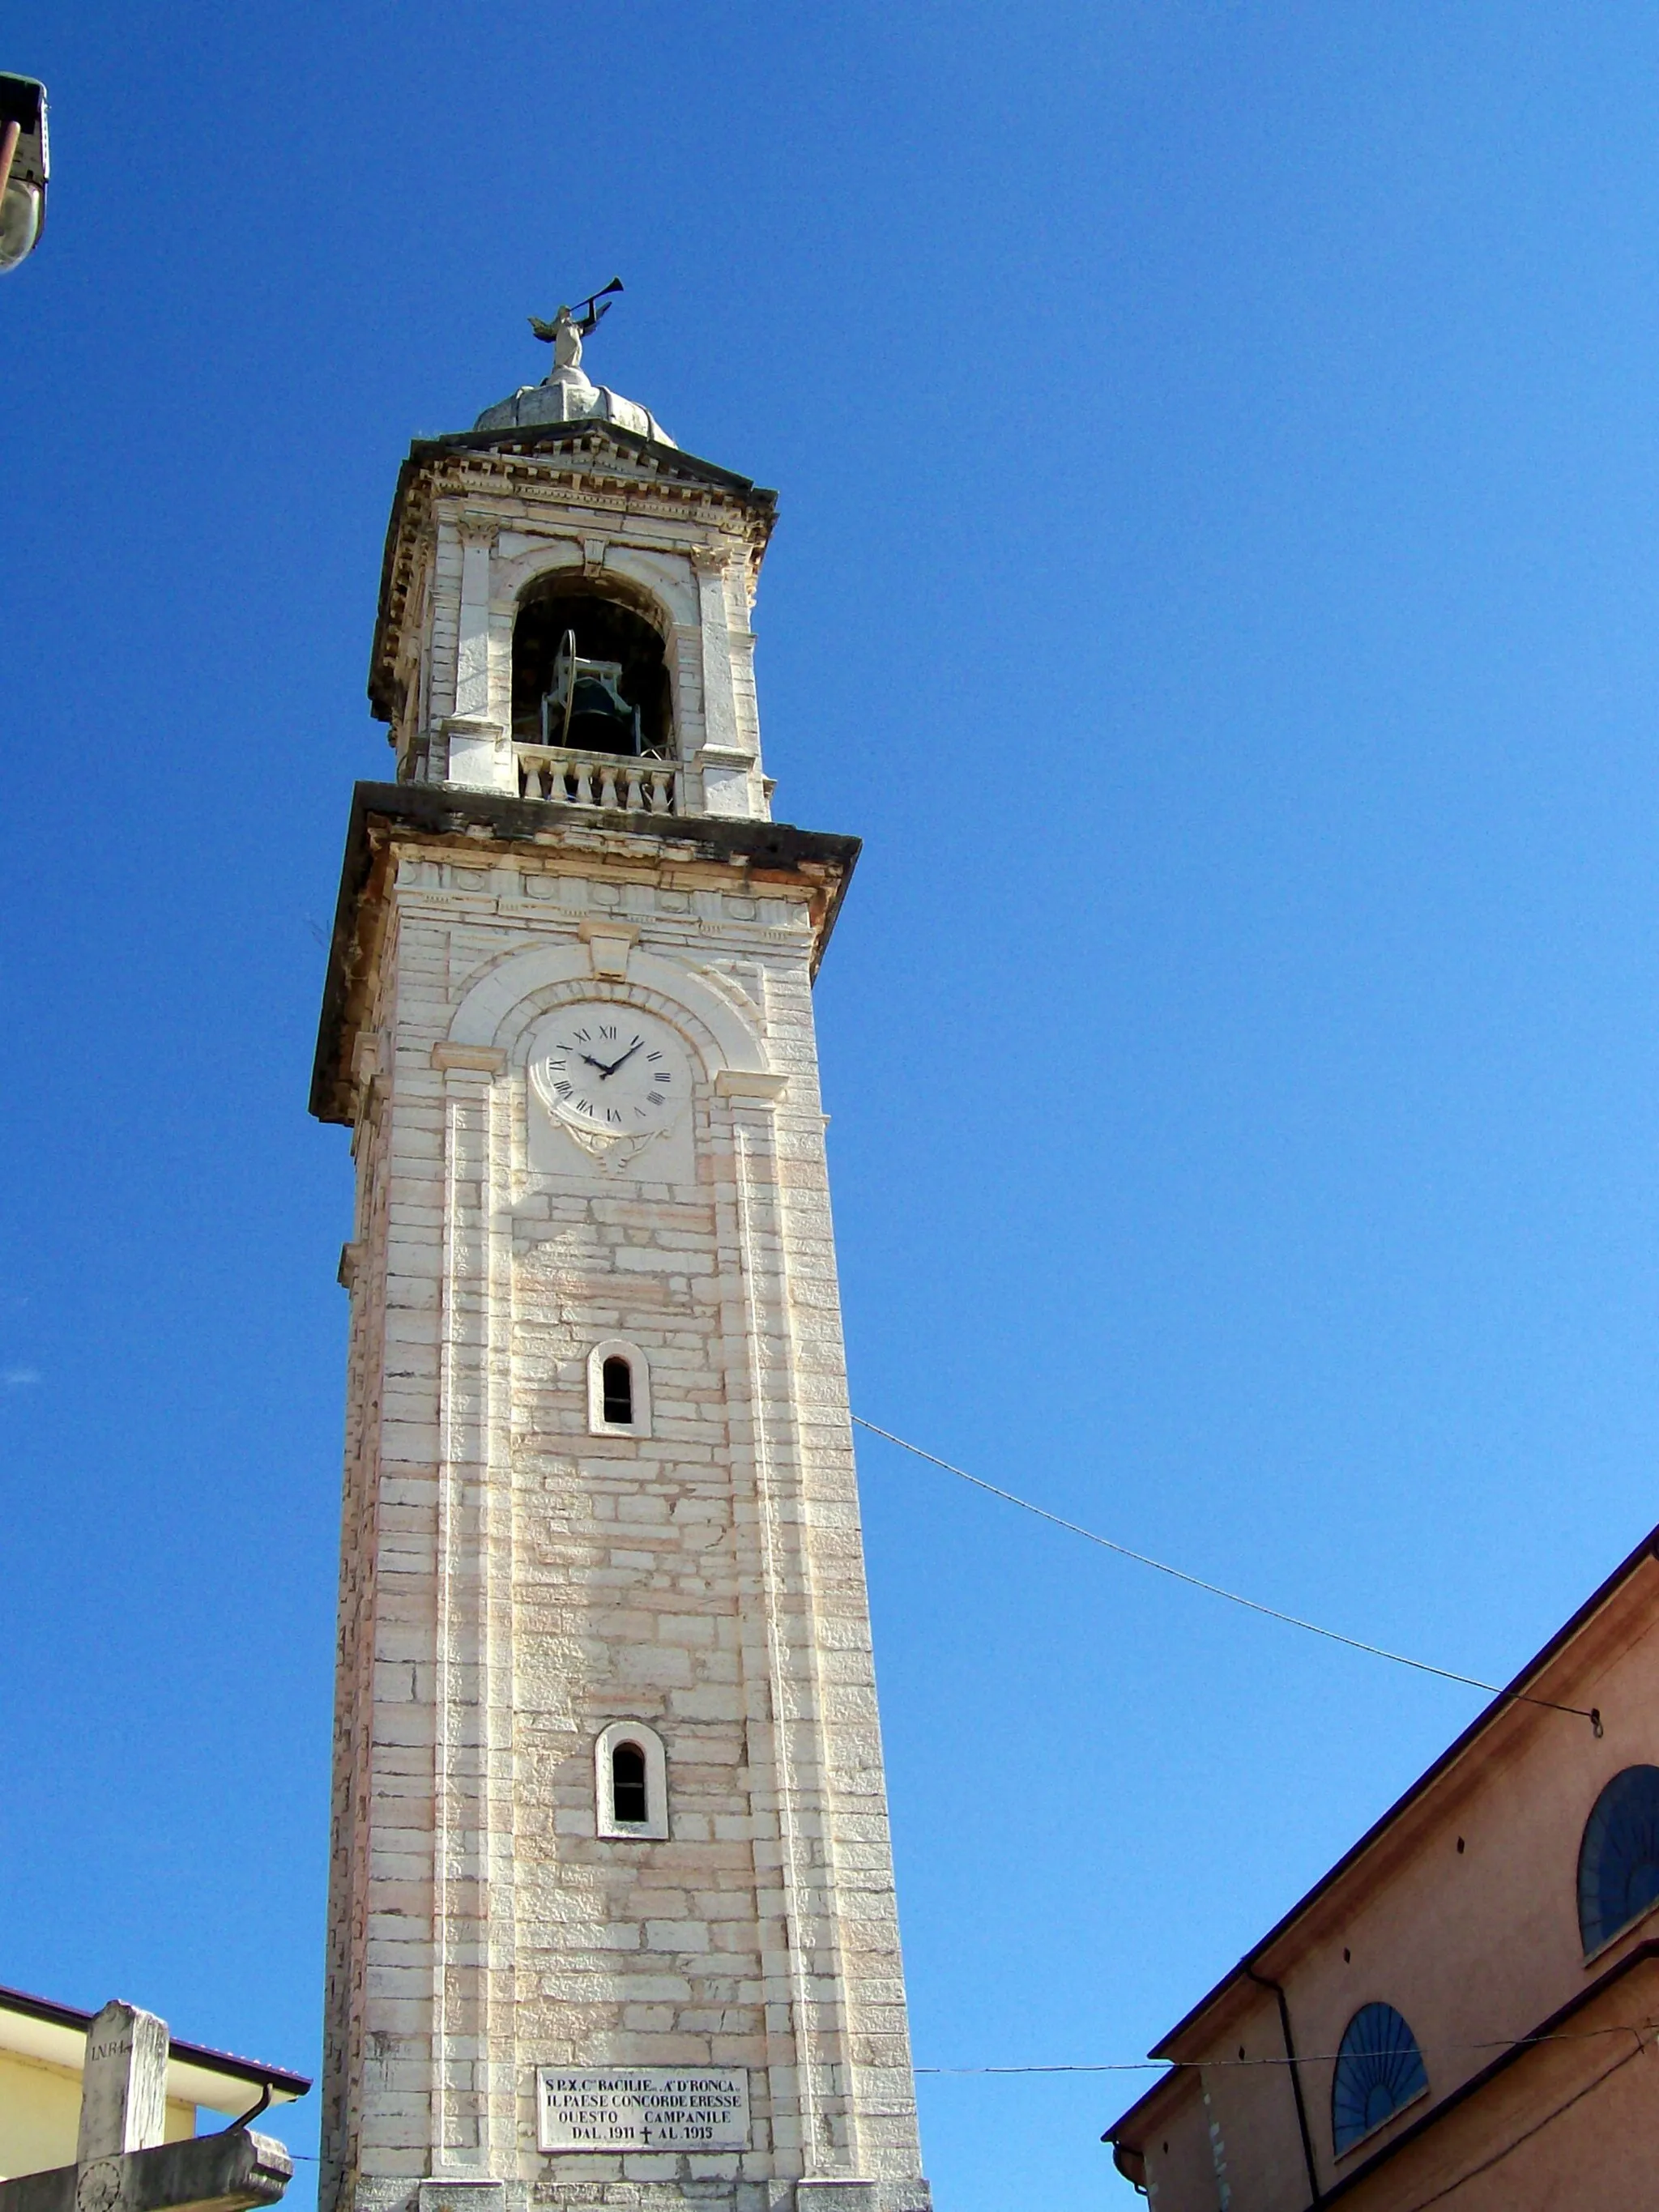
(484, 827)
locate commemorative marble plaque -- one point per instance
(642, 2108)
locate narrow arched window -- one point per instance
(629, 1800)
(1618, 1857)
(618, 1391)
(1379, 2069)
(630, 1784)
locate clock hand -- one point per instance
(599, 1064)
(626, 1056)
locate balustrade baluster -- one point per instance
(563, 779)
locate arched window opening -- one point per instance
(630, 1784)
(628, 1800)
(1618, 1857)
(1379, 2069)
(588, 672)
(618, 1391)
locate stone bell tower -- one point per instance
(611, 1916)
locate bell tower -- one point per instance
(611, 1917)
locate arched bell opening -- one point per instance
(588, 672)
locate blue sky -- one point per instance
(1216, 577)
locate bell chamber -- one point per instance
(588, 673)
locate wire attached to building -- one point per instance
(1591, 1713)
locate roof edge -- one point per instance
(251, 2070)
(1503, 1702)
(1144, 2103)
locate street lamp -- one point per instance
(22, 168)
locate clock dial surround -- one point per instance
(612, 1075)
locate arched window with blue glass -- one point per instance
(1379, 2069)
(1619, 1859)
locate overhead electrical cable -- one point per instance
(1303, 2058)
(1591, 1713)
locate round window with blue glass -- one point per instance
(1619, 1859)
(1379, 2069)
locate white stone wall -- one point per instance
(512, 1583)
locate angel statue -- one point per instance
(570, 326)
(564, 335)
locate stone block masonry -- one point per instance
(512, 1584)
(707, 1959)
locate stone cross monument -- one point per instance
(611, 1917)
(121, 2162)
(123, 2084)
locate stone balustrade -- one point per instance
(574, 779)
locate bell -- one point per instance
(584, 709)
(600, 720)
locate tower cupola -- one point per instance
(565, 394)
(565, 608)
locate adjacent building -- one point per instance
(1464, 2012)
(42, 2053)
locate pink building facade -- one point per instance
(1464, 2012)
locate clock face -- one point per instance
(609, 1074)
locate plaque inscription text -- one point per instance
(642, 2107)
